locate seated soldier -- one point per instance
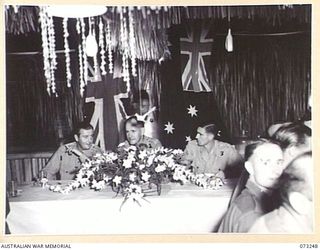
(135, 135)
(295, 214)
(264, 163)
(207, 155)
(69, 157)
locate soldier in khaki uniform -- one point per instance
(134, 130)
(68, 158)
(209, 156)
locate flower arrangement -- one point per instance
(136, 172)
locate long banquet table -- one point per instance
(181, 209)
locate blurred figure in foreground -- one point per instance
(264, 163)
(295, 215)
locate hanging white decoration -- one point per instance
(67, 51)
(45, 46)
(132, 44)
(84, 55)
(81, 77)
(95, 56)
(52, 53)
(109, 47)
(102, 48)
(125, 49)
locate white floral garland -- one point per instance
(102, 48)
(80, 51)
(52, 53)
(84, 58)
(109, 47)
(125, 48)
(132, 43)
(67, 51)
(45, 46)
(141, 161)
(49, 50)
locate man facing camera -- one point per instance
(264, 163)
(69, 157)
(135, 135)
(208, 155)
(295, 215)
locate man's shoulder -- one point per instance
(67, 147)
(123, 144)
(224, 145)
(245, 201)
(192, 144)
(152, 142)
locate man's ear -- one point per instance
(76, 137)
(248, 166)
(299, 203)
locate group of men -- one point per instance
(277, 196)
(205, 154)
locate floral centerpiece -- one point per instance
(136, 172)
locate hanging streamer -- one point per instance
(102, 47)
(67, 51)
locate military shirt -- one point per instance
(221, 156)
(246, 209)
(67, 160)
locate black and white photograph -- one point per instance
(158, 120)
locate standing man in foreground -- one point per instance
(68, 158)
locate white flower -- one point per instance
(142, 166)
(132, 177)
(145, 176)
(117, 180)
(150, 159)
(127, 163)
(177, 151)
(134, 192)
(160, 168)
(143, 154)
(87, 164)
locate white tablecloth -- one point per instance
(180, 209)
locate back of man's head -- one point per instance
(294, 134)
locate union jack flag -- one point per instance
(196, 46)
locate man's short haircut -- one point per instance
(250, 148)
(82, 125)
(295, 178)
(210, 128)
(292, 134)
(133, 121)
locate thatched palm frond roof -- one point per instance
(25, 18)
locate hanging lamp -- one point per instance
(229, 38)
